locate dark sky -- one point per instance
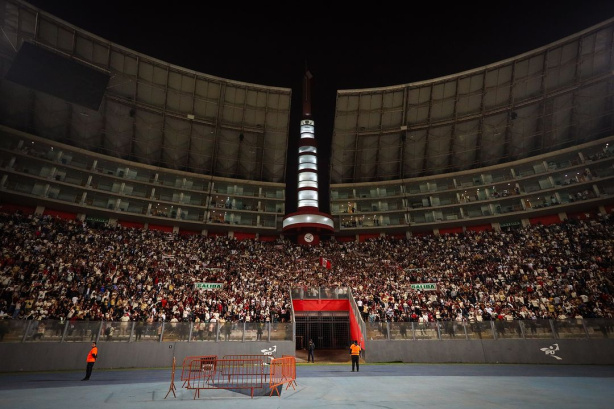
(345, 47)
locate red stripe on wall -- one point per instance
(365, 237)
(451, 230)
(321, 305)
(60, 214)
(268, 238)
(482, 227)
(168, 229)
(582, 215)
(14, 208)
(244, 236)
(546, 220)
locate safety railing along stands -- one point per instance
(570, 328)
(18, 330)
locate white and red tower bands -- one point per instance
(308, 222)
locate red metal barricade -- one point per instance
(282, 371)
(225, 374)
(237, 372)
(203, 364)
(291, 369)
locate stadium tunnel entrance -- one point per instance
(327, 329)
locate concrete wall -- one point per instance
(508, 351)
(46, 356)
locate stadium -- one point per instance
(145, 206)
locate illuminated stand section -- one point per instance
(307, 223)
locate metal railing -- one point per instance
(132, 331)
(321, 293)
(572, 328)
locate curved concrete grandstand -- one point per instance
(539, 102)
(209, 145)
(143, 142)
(412, 157)
(125, 104)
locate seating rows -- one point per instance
(52, 268)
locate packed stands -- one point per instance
(57, 269)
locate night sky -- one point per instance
(346, 47)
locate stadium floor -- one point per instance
(330, 386)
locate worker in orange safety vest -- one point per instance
(91, 360)
(355, 353)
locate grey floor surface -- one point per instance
(328, 386)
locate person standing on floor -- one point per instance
(355, 353)
(310, 348)
(91, 359)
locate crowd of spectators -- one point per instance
(52, 268)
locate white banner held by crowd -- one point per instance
(208, 286)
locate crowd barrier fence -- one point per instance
(236, 372)
(283, 371)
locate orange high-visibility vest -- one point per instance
(90, 356)
(355, 348)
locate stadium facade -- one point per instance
(128, 139)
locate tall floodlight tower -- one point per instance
(307, 223)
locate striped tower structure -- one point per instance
(308, 222)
